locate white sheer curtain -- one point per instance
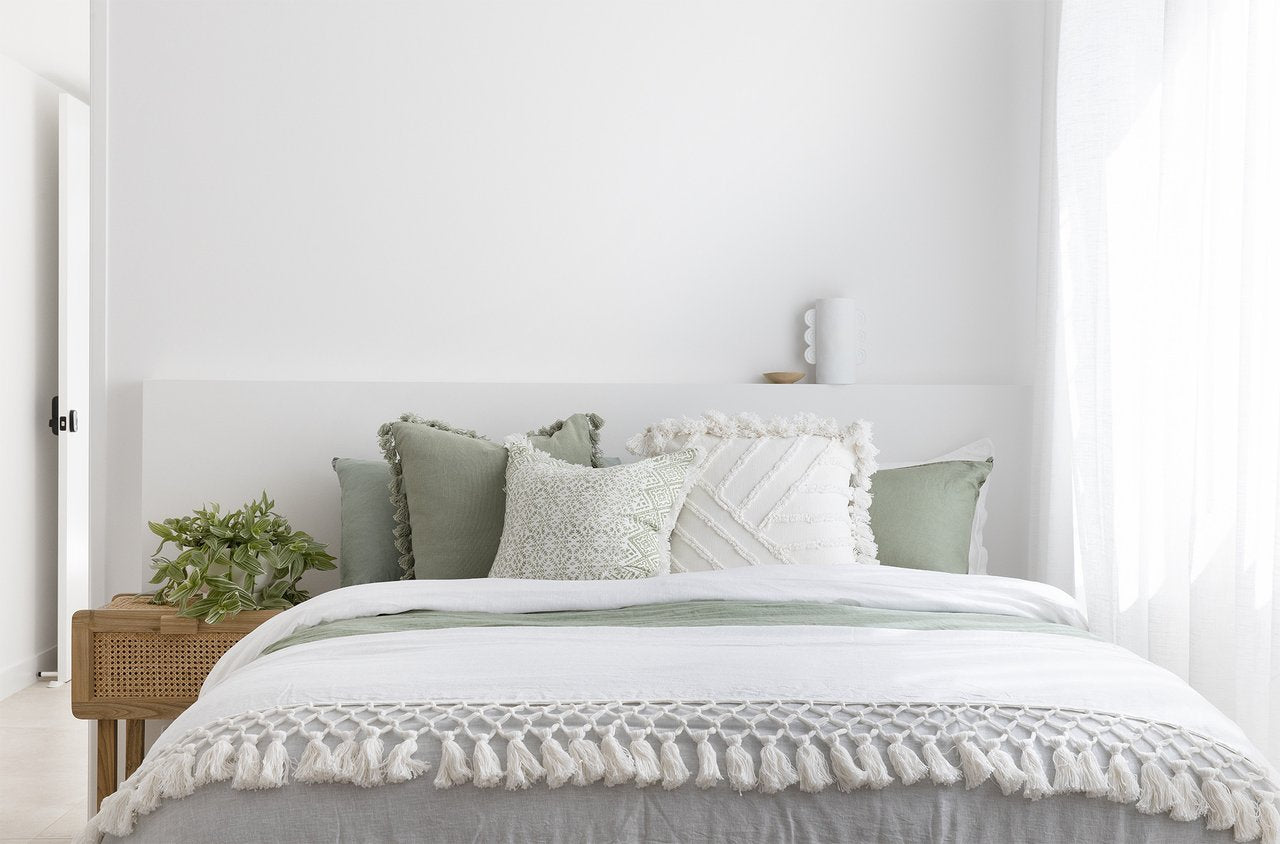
(1160, 274)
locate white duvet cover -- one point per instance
(819, 712)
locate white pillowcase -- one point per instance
(770, 492)
(978, 450)
(570, 522)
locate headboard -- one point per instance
(226, 441)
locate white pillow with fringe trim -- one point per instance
(571, 522)
(781, 491)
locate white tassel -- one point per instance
(1066, 774)
(648, 771)
(811, 765)
(740, 767)
(368, 762)
(115, 816)
(1248, 824)
(977, 768)
(708, 765)
(1006, 772)
(907, 764)
(523, 769)
(216, 764)
(1092, 779)
(1221, 810)
(454, 769)
(941, 771)
(146, 794)
(557, 762)
(589, 761)
(345, 759)
(1269, 815)
(1190, 804)
(869, 758)
(486, 770)
(400, 765)
(1036, 784)
(91, 833)
(275, 764)
(674, 772)
(776, 770)
(316, 764)
(177, 776)
(849, 777)
(619, 767)
(1122, 782)
(1157, 794)
(248, 766)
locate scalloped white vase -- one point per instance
(832, 338)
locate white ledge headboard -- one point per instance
(226, 441)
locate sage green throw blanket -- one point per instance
(682, 614)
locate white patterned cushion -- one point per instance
(771, 492)
(570, 522)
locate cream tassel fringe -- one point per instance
(1248, 824)
(454, 769)
(1269, 816)
(877, 774)
(1123, 782)
(905, 761)
(557, 762)
(941, 771)
(812, 768)
(739, 765)
(316, 764)
(1157, 795)
(849, 777)
(619, 767)
(648, 771)
(1006, 772)
(248, 764)
(708, 766)
(1221, 810)
(1066, 774)
(588, 759)
(1092, 779)
(1036, 784)
(776, 770)
(486, 769)
(400, 765)
(674, 771)
(975, 764)
(523, 769)
(217, 764)
(1191, 804)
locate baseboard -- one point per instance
(22, 674)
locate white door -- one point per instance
(71, 418)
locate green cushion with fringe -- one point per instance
(447, 489)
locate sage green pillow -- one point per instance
(922, 516)
(368, 552)
(447, 489)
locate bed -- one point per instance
(764, 703)
(812, 703)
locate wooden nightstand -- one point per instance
(133, 660)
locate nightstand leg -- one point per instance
(135, 733)
(106, 759)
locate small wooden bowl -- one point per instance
(783, 377)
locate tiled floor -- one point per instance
(43, 766)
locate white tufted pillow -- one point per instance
(770, 492)
(571, 522)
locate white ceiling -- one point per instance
(50, 38)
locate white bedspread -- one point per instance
(519, 666)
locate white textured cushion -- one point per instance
(770, 492)
(570, 522)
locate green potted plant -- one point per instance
(227, 562)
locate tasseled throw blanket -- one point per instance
(1027, 751)
(629, 704)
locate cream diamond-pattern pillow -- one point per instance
(770, 492)
(570, 522)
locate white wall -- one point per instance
(601, 190)
(49, 38)
(28, 360)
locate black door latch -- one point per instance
(69, 423)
